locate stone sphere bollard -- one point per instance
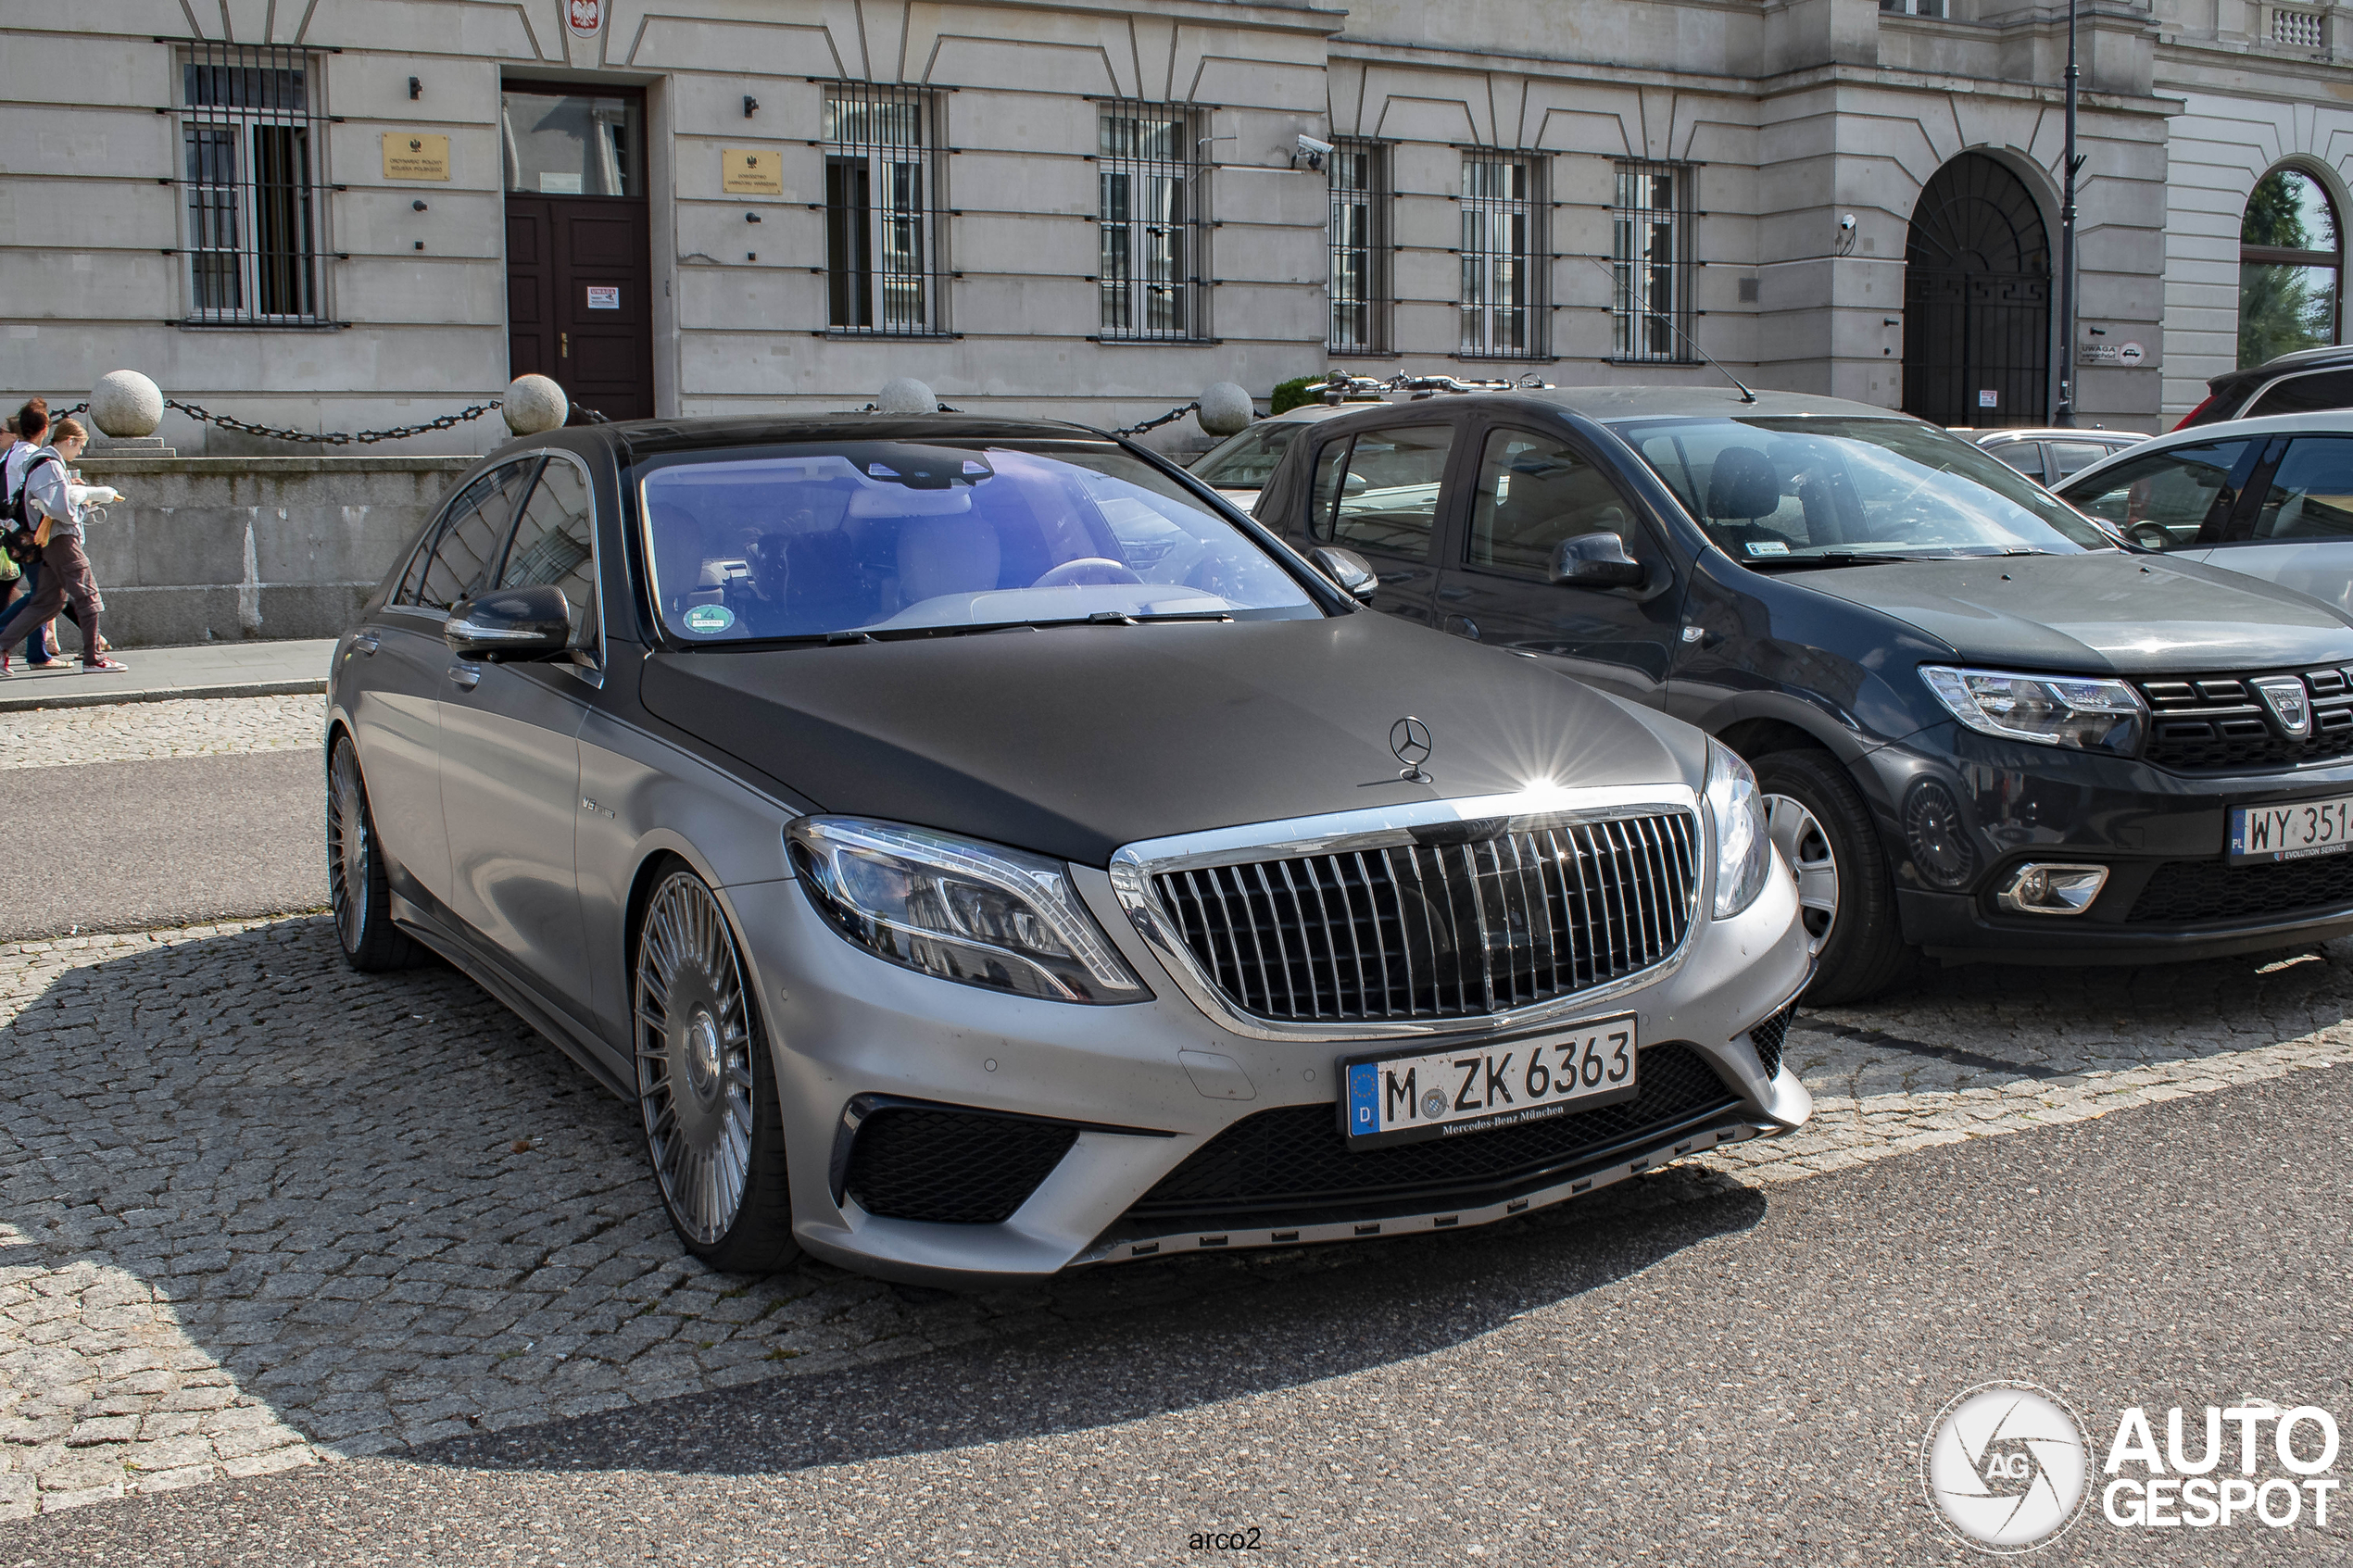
(1225, 408)
(534, 404)
(125, 403)
(905, 394)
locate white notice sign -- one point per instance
(1989, 399)
(601, 297)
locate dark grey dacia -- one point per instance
(1982, 726)
(979, 850)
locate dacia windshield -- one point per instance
(880, 539)
(1787, 492)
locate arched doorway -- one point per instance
(1977, 300)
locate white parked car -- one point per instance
(1238, 466)
(2271, 498)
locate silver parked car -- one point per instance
(2270, 498)
(2049, 456)
(973, 849)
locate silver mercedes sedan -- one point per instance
(978, 850)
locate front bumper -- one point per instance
(847, 1027)
(2161, 834)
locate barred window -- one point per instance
(1504, 316)
(251, 155)
(884, 267)
(1652, 302)
(1359, 241)
(1151, 211)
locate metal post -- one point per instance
(2064, 414)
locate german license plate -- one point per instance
(1440, 1094)
(2262, 833)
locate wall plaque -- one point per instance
(411, 155)
(745, 172)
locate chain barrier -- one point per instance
(1169, 417)
(334, 438)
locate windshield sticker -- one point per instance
(1767, 548)
(709, 618)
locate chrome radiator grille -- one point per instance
(1442, 930)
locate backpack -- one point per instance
(19, 526)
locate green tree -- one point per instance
(1291, 394)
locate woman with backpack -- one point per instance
(45, 503)
(18, 591)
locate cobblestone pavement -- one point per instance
(257, 1210)
(138, 731)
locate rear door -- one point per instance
(1382, 493)
(2294, 524)
(510, 753)
(1529, 489)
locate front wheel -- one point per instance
(357, 889)
(714, 1134)
(1817, 819)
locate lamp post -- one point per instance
(2065, 415)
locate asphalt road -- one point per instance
(174, 841)
(1728, 1378)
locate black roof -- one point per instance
(2247, 377)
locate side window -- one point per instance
(411, 580)
(2024, 456)
(2310, 495)
(1534, 492)
(1388, 497)
(553, 542)
(1249, 461)
(2305, 394)
(2161, 501)
(2072, 456)
(470, 534)
(1329, 464)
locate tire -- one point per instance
(357, 892)
(1816, 816)
(706, 1088)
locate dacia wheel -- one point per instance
(1815, 817)
(357, 889)
(714, 1134)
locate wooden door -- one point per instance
(579, 299)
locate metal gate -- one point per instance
(1977, 300)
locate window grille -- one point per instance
(1360, 250)
(253, 153)
(1913, 7)
(885, 265)
(1150, 195)
(1652, 303)
(1504, 316)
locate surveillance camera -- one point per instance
(1311, 152)
(1847, 223)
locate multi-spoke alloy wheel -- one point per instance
(712, 1130)
(1798, 834)
(356, 888)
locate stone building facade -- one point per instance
(331, 215)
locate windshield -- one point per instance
(882, 537)
(1778, 490)
(1247, 461)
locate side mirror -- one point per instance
(1352, 571)
(1596, 560)
(531, 623)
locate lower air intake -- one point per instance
(951, 1167)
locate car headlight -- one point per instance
(2082, 712)
(960, 910)
(1737, 812)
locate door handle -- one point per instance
(563, 350)
(1461, 625)
(465, 676)
(365, 643)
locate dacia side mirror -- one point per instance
(1352, 571)
(1596, 560)
(510, 623)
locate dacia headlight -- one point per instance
(961, 910)
(1744, 855)
(2085, 712)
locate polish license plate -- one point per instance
(2267, 834)
(1500, 1082)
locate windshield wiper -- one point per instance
(1829, 558)
(1124, 617)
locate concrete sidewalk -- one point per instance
(223, 669)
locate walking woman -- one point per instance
(65, 568)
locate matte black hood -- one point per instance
(1073, 741)
(2102, 613)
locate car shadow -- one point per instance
(251, 1198)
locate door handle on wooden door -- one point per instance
(563, 342)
